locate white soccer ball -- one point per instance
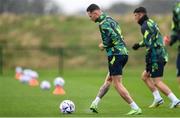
(45, 85)
(59, 81)
(67, 107)
(25, 79)
(19, 70)
(34, 74)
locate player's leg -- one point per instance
(105, 87)
(117, 81)
(157, 97)
(146, 78)
(167, 91)
(123, 92)
(116, 75)
(157, 75)
(102, 91)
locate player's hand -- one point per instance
(101, 46)
(166, 40)
(136, 46)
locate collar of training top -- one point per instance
(101, 18)
(144, 18)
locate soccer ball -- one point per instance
(59, 81)
(24, 79)
(67, 107)
(45, 85)
(19, 70)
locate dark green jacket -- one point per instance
(111, 36)
(153, 41)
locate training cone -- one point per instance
(59, 91)
(18, 76)
(33, 82)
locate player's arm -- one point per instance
(136, 46)
(146, 35)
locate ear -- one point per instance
(142, 14)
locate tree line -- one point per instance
(29, 6)
(153, 7)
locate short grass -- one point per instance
(81, 87)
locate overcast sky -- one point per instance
(73, 6)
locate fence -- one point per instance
(61, 59)
(33, 57)
(51, 58)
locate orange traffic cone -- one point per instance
(59, 91)
(18, 76)
(33, 82)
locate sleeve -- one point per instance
(143, 30)
(148, 35)
(141, 44)
(109, 35)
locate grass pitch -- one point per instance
(82, 85)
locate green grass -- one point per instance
(81, 87)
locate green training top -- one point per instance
(153, 41)
(111, 36)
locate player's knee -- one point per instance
(109, 80)
(144, 76)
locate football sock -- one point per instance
(134, 106)
(172, 97)
(97, 100)
(157, 95)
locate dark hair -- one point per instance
(140, 10)
(92, 7)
